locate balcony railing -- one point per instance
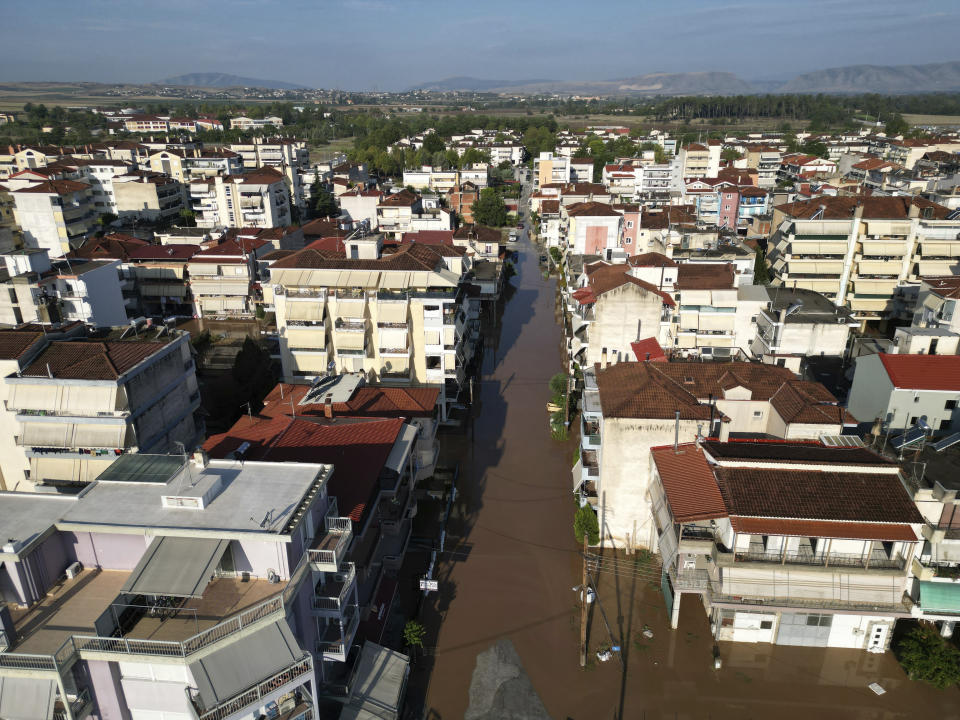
(77, 707)
(824, 560)
(336, 642)
(255, 695)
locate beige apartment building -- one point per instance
(857, 250)
(397, 318)
(56, 215)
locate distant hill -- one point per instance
(696, 83)
(223, 80)
(884, 79)
(465, 83)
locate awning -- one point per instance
(939, 597)
(378, 682)
(401, 448)
(176, 566)
(577, 475)
(23, 698)
(309, 310)
(232, 669)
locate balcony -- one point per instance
(350, 325)
(331, 594)
(877, 560)
(79, 707)
(696, 539)
(327, 551)
(590, 436)
(336, 640)
(257, 695)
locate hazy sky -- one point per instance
(392, 44)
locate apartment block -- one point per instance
(397, 317)
(147, 196)
(221, 277)
(220, 590)
(857, 250)
(549, 169)
(786, 543)
(82, 403)
(55, 215)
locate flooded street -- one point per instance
(511, 562)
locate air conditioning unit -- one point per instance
(73, 570)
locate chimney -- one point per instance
(676, 431)
(328, 407)
(200, 458)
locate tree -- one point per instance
(188, 217)
(817, 149)
(489, 209)
(325, 204)
(926, 656)
(252, 375)
(433, 143)
(730, 154)
(761, 275)
(106, 219)
(414, 633)
(585, 522)
(896, 125)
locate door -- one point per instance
(877, 642)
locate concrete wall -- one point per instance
(618, 313)
(105, 296)
(623, 505)
(107, 690)
(871, 390)
(108, 551)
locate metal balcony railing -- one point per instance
(824, 560)
(254, 695)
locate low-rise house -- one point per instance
(82, 403)
(361, 206)
(786, 543)
(902, 390)
(591, 228)
(395, 212)
(147, 196)
(160, 277)
(630, 407)
(245, 123)
(796, 323)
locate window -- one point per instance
(627, 241)
(913, 420)
(916, 398)
(629, 224)
(766, 624)
(757, 414)
(819, 620)
(948, 405)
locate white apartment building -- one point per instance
(245, 123)
(255, 199)
(549, 169)
(55, 215)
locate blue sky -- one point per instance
(392, 44)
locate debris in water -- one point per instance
(877, 688)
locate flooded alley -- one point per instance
(511, 563)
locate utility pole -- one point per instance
(583, 607)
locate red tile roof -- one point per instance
(430, 237)
(923, 372)
(603, 278)
(165, 252)
(689, 483)
(91, 359)
(648, 349)
(874, 207)
(651, 259)
(357, 450)
(591, 209)
(705, 276)
(816, 495)
(14, 343)
(824, 529)
(946, 286)
(367, 401)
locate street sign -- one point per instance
(429, 585)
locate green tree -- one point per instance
(818, 149)
(433, 143)
(896, 125)
(252, 374)
(489, 209)
(761, 275)
(188, 217)
(325, 204)
(585, 523)
(730, 154)
(414, 633)
(926, 656)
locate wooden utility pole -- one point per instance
(583, 607)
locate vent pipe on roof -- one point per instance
(676, 431)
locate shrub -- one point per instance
(926, 656)
(585, 523)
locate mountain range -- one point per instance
(224, 80)
(883, 79)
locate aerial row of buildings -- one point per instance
(792, 513)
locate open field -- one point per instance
(931, 119)
(323, 152)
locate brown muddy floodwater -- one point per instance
(514, 564)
